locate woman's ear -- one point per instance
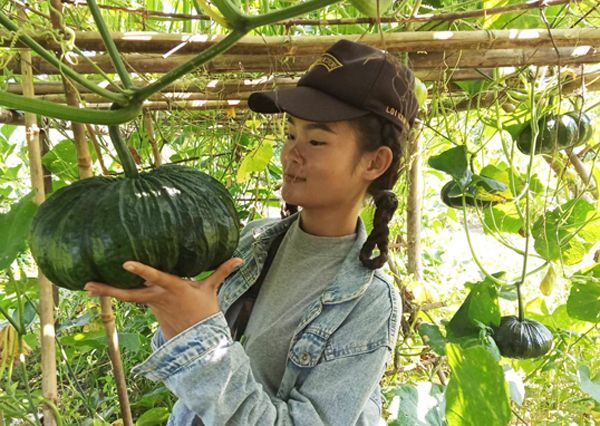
(378, 162)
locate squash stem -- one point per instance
(109, 43)
(205, 56)
(288, 12)
(123, 152)
(65, 112)
(520, 299)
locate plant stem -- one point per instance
(109, 43)
(64, 112)
(64, 69)
(205, 56)
(11, 320)
(288, 12)
(123, 152)
(203, 6)
(233, 16)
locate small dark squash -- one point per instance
(522, 339)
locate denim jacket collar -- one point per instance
(352, 279)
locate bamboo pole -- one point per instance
(220, 89)
(10, 116)
(439, 61)
(84, 160)
(48, 333)
(84, 164)
(414, 200)
(115, 356)
(582, 171)
(151, 138)
(406, 41)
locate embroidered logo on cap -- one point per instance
(329, 61)
(393, 111)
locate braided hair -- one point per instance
(373, 132)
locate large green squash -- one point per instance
(174, 218)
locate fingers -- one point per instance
(142, 295)
(152, 275)
(223, 271)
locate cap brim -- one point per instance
(304, 102)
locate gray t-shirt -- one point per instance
(302, 268)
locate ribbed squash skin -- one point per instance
(174, 218)
(456, 201)
(556, 132)
(526, 339)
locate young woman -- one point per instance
(325, 321)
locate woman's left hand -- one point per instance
(176, 303)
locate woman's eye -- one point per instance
(289, 137)
(316, 143)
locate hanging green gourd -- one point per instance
(525, 338)
(174, 218)
(452, 197)
(520, 337)
(556, 132)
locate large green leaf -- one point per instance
(568, 232)
(454, 162)
(14, 228)
(591, 386)
(477, 392)
(480, 309)
(421, 404)
(584, 298)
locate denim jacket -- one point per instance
(336, 359)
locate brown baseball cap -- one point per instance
(348, 81)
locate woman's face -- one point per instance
(321, 164)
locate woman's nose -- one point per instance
(293, 154)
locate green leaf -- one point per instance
(480, 309)
(488, 184)
(584, 301)
(14, 228)
(502, 218)
(367, 215)
(568, 232)
(477, 389)
(515, 385)
(454, 162)
(61, 160)
(421, 404)
(156, 416)
(432, 336)
(97, 340)
(257, 160)
(591, 386)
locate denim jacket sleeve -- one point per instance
(211, 375)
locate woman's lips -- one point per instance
(292, 178)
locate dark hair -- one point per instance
(373, 132)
